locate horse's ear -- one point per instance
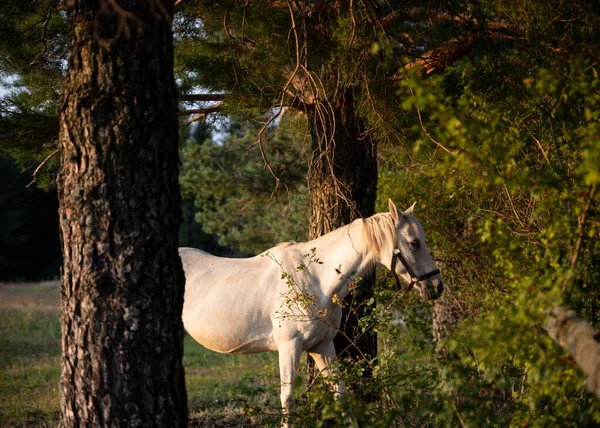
(393, 210)
(411, 209)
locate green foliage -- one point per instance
(504, 167)
(246, 60)
(33, 43)
(236, 195)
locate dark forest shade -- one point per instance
(122, 283)
(29, 243)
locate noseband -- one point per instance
(414, 278)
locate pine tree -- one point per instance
(33, 43)
(233, 193)
(122, 280)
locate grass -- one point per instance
(223, 390)
(29, 354)
(231, 390)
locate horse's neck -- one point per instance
(344, 257)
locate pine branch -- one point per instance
(201, 97)
(196, 118)
(200, 114)
(205, 110)
(44, 41)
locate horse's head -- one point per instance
(410, 258)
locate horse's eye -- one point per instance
(415, 243)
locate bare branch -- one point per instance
(201, 117)
(443, 56)
(43, 40)
(35, 173)
(447, 53)
(111, 7)
(433, 140)
(582, 219)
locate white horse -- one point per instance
(287, 298)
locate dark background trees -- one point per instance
(234, 197)
(29, 243)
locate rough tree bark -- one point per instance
(122, 281)
(342, 182)
(580, 340)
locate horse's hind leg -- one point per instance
(289, 359)
(324, 355)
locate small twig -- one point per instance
(35, 173)
(259, 141)
(201, 116)
(353, 20)
(162, 12)
(581, 233)
(246, 205)
(121, 15)
(512, 205)
(550, 119)
(297, 44)
(43, 40)
(225, 19)
(433, 140)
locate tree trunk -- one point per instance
(122, 280)
(580, 340)
(342, 182)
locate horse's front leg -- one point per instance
(289, 359)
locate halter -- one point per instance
(414, 278)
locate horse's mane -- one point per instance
(285, 244)
(377, 230)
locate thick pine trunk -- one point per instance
(342, 181)
(122, 281)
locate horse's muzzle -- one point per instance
(432, 289)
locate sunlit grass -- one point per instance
(223, 390)
(29, 355)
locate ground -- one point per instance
(223, 390)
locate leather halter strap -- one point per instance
(414, 278)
